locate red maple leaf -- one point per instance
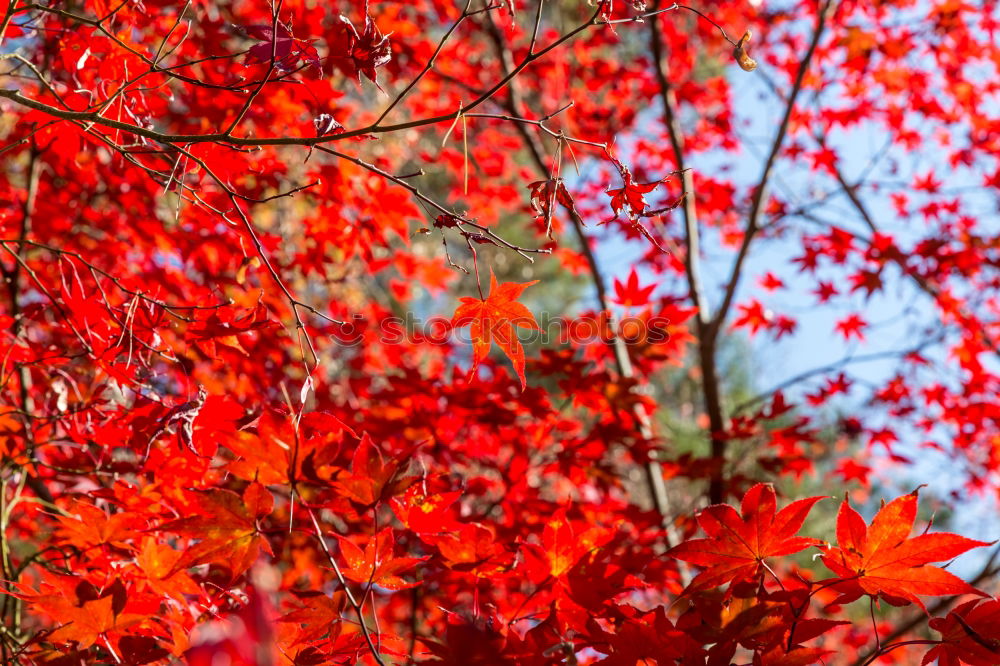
(739, 542)
(225, 325)
(372, 478)
(755, 316)
(563, 543)
(315, 614)
(870, 281)
(849, 470)
(423, 512)
(969, 635)
(799, 656)
(544, 195)
(472, 548)
(881, 560)
(784, 325)
(770, 281)
(852, 325)
(630, 294)
(631, 195)
(355, 53)
(825, 291)
(376, 563)
(649, 638)
(285, 49)
(496, 319)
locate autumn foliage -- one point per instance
(514, 332)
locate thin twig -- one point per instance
(343, 582)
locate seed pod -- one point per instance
(743, 59)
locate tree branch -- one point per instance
(760, 195)
(653, 470)
(705, 332)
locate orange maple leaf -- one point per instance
(881, 559)
(315, 615)
(88, 622)
(738, 543)
(226, 528)
(496, 320)
(376, 563)
(84, 612)
(85, 525)
(157, 561)
(372, 478)
(472, 548)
